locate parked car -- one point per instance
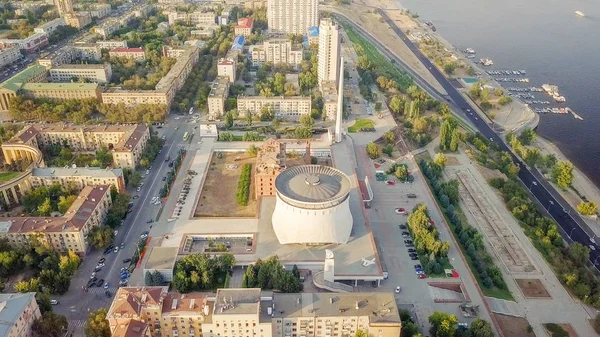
(397, 289)
(108, 294)
(390, 182)
(412, 250)
(400, 210)
(402, 226)
(127, 260)
(414, 258)
(102, 260)
(54, 302)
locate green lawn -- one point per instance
(6, 176)
(381, 63)
(361, 123)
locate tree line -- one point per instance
(201, 271)
(270, 274)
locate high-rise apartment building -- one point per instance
(276, 51)
(292, 16)
(329, 51)
(64, 6)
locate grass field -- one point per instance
(381, 63)
(361, 123)
(6, 176)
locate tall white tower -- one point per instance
(340, 104)
(292, 16)
(329, 51)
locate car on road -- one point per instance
(116, 232)
(164, 178)
(97, 269)
(138, 189)
(122, 245)
(400, 210)
(147, 172)
(414, 258)
(412, 250)
(93, 275)
(135, 196)
(409, 245)
(422, 276)
(405, 236)
(592, 247)
(150, 221)
(390, 182)
(144, 235)
(402, 226)
(127, 260)
(123, 282)
(116, 249)
(408, 241)
(54, 302)
(397, 289)
(100, 265)
(106, 285)
(108, 250)
(102, 260)
(418, 267)
(99, 283)
(108, 294)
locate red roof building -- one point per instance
(244, 26)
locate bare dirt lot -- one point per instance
(513, 326)
(532, 288)
(217, 198)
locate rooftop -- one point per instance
(175, 72)
(129, 301)
(60, 86)
(161, 258)
(132, 328)
(95, 172)
(14, 83)
(270, 158)
(127, 50)
(312, 31)
(245, 23)
(312, 183)
(11, 307)
(80, 66)
(380, 307)
(275, 98)
(238, 43)
(237, 301)
(219, 86)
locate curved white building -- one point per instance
(312, 205)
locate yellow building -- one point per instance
(126, 142)
(219, 91)
(252, 313)
(78, 177)
(62, 233)
(62, 91)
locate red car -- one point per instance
(422, 276)
(431, 222)
(390, 182)
(400, 210)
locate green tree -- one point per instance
(401, 173)
(25, 286)
(440, 159)
(596, 323)
(361, 333)
(252, 150)
(562, 174)
(229, 120)
(587, 208)
(249, 117)
(442, 324)
(396, 104)
(527, 136)
(373, 151)
(101, 236)
(579, 253)
(45, 208)
(389, 137)
(69, 263)
(97, 325)
(449, 68)
(134, 179)
(481, 328)
(50, 325)
(307, 121)
(64, 202)
(454, 140)
(504, 100)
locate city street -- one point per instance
(76, 303)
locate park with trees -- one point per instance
(197, 272)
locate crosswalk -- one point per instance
(76, 323)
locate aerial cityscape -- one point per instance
(296, 168)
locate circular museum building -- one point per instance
(312, 205)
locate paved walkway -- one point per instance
(537, 311)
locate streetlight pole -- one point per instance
(533, 183)
(549, 204)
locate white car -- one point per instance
(592, 247)
(116, 232)
(147, 172)
(397, 289)
(93, 275)
(54, 302)
(139, 189)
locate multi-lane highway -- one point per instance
(568, 219)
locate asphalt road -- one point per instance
(76, 303)
(568, 219)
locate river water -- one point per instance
(550, 42)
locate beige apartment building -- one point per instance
(50, 26)
(194, 18)
(137, 54)
(112, 44)
(329, 51)
(77, 20)
(9, 55)
(98, 73)
(276, 51)
(62, 91)
(226, 67)
(62, 233)
(219, 92)
(244, 27)
(285, 108)
(252, 313)
(134, 97)
(292, 16)
(78, 177)
(126, 142)
(17, 312)
(329, 92)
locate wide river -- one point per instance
(550, 42)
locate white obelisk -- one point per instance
(340, 104)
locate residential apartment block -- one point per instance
(77, 20)
(219, 92)
(62, 91)
(62, 233)
(126, 142)
(276, 51)
(9, 55)
(78, 177)
(292, 16)
(71, 52)
(64, 6)
(252, 313)
(30, 44)
(194, 18)
(17, 312)
(329, 51)
(10, 87)
(226, 67)
(244, 27)
(50, 26)
(112, 44)
(137, 54)
(98, 73)
(285, 108)
(134, 97)
(330, 99)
